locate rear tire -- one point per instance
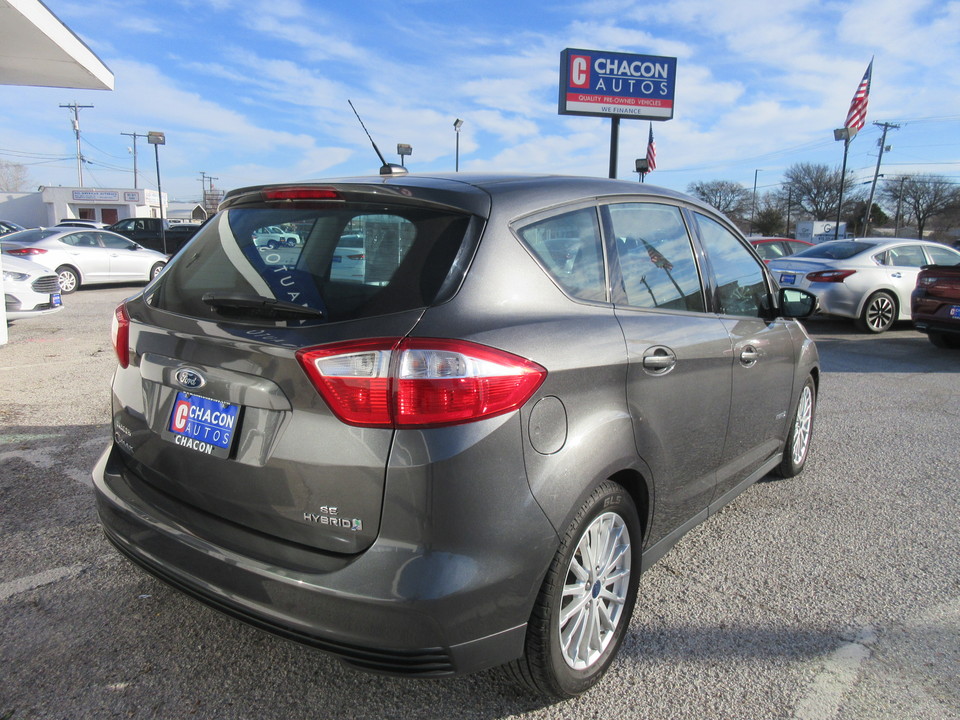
(583, 610)
(879, 313)
(797, 449)
(68, 278)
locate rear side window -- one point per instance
(656, 258)
(569, 247)
(943, 256)
(345, 261)
(904, 256)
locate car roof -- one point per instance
(474, 191)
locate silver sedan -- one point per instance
(85, 256)
(867, 279)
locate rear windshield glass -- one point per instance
(837, 250)
(339, 263)
(30, 236)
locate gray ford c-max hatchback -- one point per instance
(449, 427)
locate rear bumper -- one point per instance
(394, 609)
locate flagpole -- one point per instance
(843, 177)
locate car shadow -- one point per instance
(899, 350)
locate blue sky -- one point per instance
(253, 91)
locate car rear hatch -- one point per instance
(215, 409)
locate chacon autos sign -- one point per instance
(608, 84)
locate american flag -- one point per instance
(651, 152)
(857, 115)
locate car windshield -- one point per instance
(837, 250)
(403, 261)
(25, 237)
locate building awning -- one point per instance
(37, 49)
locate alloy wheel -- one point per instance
(802, 425)
(595, 591)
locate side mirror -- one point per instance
(796, 303)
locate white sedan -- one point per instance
(29, 289)
(867, 279)
(85, 256)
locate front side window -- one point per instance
(570, 248)
(114, 242)
(656, 258)
(741, 283)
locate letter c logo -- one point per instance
(180, 415)
(580, 71)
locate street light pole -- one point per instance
(753, 212)
(157, 139)
(457, 124)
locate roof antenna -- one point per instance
(385, 168)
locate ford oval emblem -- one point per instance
(190, 379)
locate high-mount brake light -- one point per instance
(300, 193)
(830, 276)
(419, 382)
(120, 334)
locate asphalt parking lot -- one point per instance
(834, 595)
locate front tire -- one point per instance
(801, 431)
(156, 269)
(879, 313)
(68, 278)
(583, 610)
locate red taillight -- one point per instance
(120, 333)
(300, 193)
(356, 257)
(26, 251)
(419, 382)
(827, 276)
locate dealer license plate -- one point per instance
(788, 278)
(955, 311)
(203, 424)
(55, 300)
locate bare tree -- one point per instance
(13, 177)
(728, 197)
(921, 197)
(816, 189)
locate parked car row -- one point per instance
(869, 280)
(84, 256)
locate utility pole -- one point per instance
(76, 129)
(209, 204)
(876, 173)
(134, 136)
(203, 180)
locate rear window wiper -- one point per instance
(269, 307)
